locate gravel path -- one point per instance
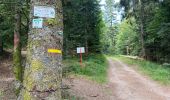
(130, 85)
(125, 83)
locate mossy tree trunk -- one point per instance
(42, 76)
(1, 45)
(17, 66)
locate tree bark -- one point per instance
(1, 45)
(17, 46)
(142, 28)
(43, 71)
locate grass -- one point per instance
(155, 71)
(1, 94)
(94, 67)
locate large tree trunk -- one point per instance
(42, 76)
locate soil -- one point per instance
(6, 78)
(125, 83)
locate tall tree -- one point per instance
(42, 76)
(17, 46)
(1, 45)
(110, 13)
(137, 9)
(82, 19)
(142, 32)
(152, 18)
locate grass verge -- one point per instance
(155, 71)
(94, 67)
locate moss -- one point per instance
(17, 68)
(27, 96)
(36, 65)
(1, 93)
(30, 46)
(30, 83)
(52, 21)
(17, 64)
(35, 43)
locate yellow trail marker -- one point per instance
(54, 51)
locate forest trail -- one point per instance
(124, 83)
(130, 85)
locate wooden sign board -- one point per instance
(80, 50)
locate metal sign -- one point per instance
(37, 23)
(44, 11)
(80, 50)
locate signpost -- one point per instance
(80, 50)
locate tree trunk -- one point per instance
(142, 28)
(127, 50)
(1, 45)
(43, 71)
(17, 47)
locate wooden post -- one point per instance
(81, 58)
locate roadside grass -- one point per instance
(94, 67)
(155, 71)
(1, 94)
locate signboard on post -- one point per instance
(37, 23)
(44, 11)
(80, 50)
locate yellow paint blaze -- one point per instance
(54, 51)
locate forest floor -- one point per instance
(124, 83)
(6, 78)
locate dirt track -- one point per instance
(131, 85)
(125, 83)
(6, 80)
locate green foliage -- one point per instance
(154, 17)
(82, 25)
(111, 27)
(7, 22)
(127, 37)
(158, 38)
(155, 71)
(94, 67)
